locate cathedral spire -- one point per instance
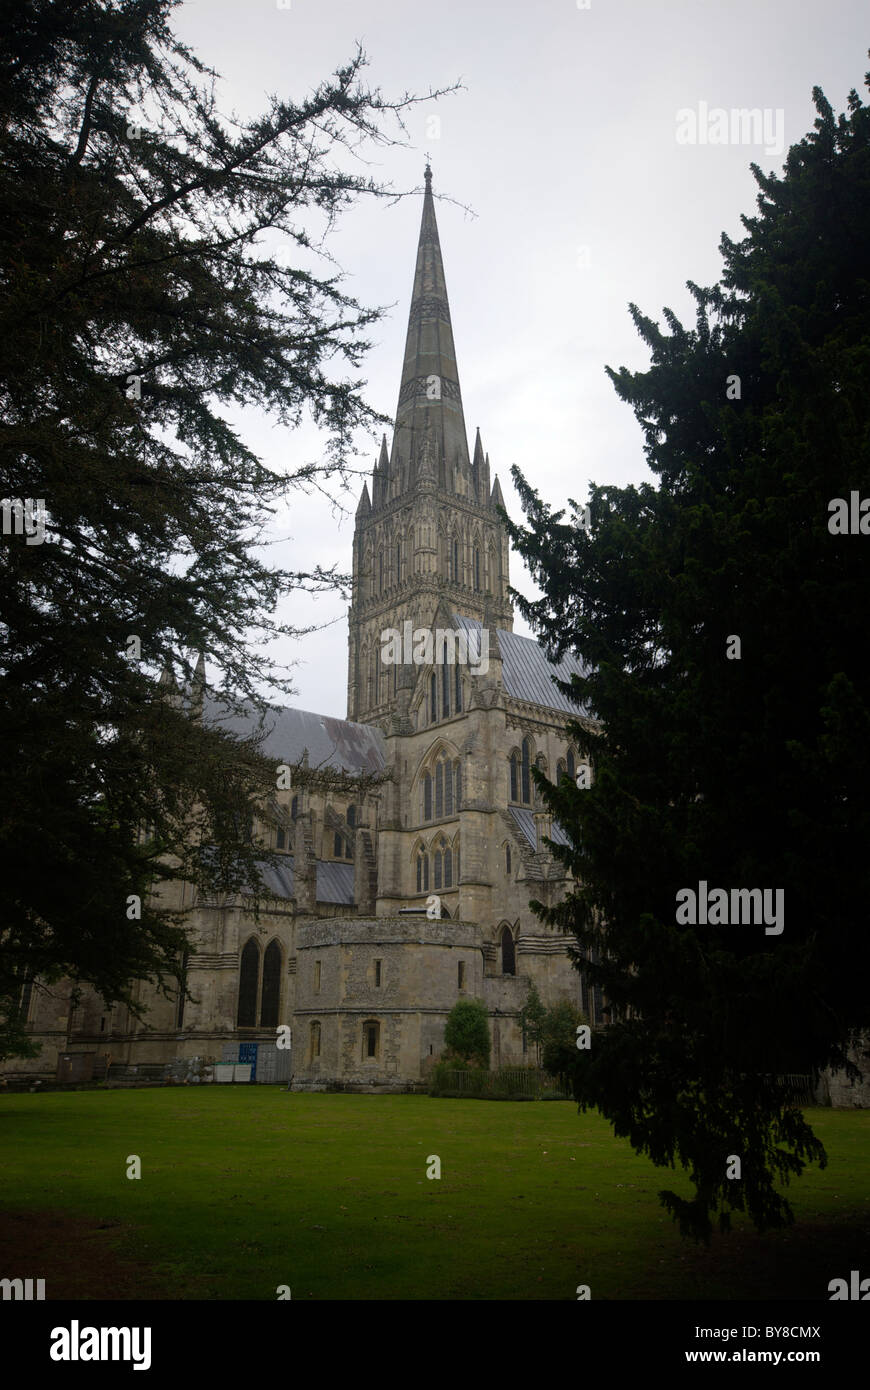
(429, 391)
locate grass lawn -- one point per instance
(247, 1188)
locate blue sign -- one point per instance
(248, 1053)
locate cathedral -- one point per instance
(409, 851)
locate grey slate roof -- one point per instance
(334, 743)
(525, 819)
(335, 882)
(279, 880)
(526, 672)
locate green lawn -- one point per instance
(247, 1188)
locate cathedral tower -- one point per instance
(428, 539)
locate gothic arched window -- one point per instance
(448, 868)
(351, 816)
(445, 691)
(398, 562)
(433, 699)
(422, 871)
(427, 796)
(455, 575)
(457, 701)
(448, 789)
(527, 781)
(570, 763)
(279, 837)
(439, 788)
(380, 571)
(507, 859)
(477, 568)
(515, 785)
(508, 953)
(294, 808)
(249, 980)
(271, 986)
(457, 767)
(437, 883)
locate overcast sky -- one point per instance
(564, 142)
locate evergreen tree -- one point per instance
(738, 763)
(146, 290)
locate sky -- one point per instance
(582, 167)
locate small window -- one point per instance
(279, 837)
(351, 816)
(461, 972)
(294, 808)
(427, 796)
(377, 974)
(370, 1039)
(338, 846)
(515, 785)
(570, 763)
(433, 699)
(315, 1041)
(507, 859)
(317, 977)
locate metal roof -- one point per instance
(334, 743)
(525, 819)
(526, 672)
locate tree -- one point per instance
(161, 264)
(532, 1016)
(466, 1033)
(559, 1037)
(740, 765)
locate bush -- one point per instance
(466, 1034)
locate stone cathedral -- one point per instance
(393, 900)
